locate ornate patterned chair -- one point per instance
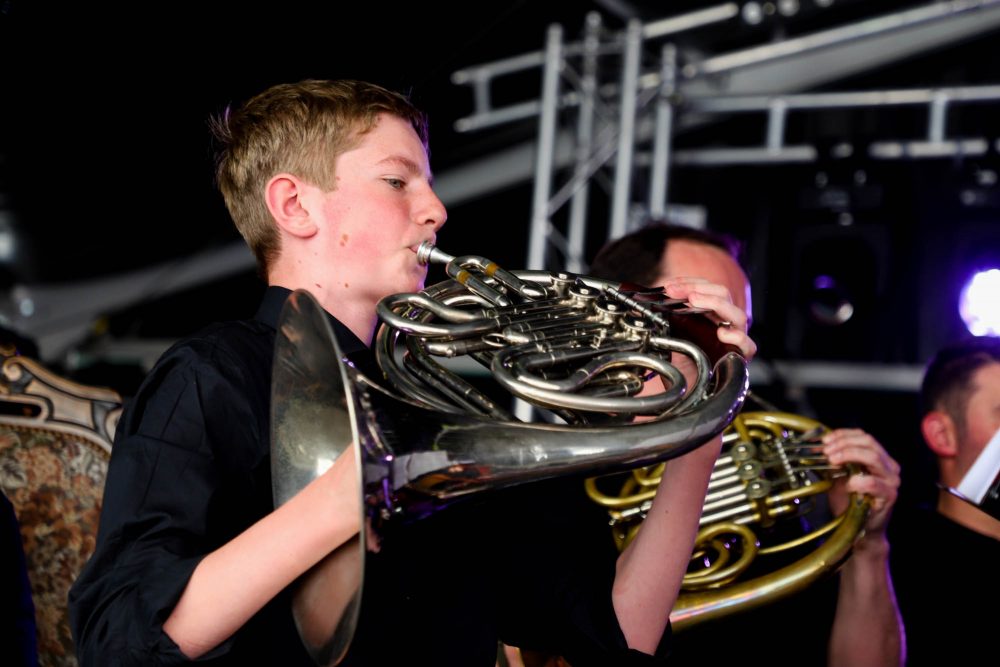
(55, 442)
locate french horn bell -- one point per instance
(578, 348)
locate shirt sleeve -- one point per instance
(170, 498)
(559, 567)
(17, 610)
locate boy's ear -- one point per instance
(285, 196)
(940, 433)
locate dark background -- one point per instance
(105, 167)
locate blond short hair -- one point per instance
(298, 128)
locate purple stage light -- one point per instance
(979, 303)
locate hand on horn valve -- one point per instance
(878, 479)
(732, 320)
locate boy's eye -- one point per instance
(395, 183)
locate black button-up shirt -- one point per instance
(190, 470)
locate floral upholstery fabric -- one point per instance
(55, 482)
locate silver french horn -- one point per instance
(577, 347)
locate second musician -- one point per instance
(861, 607)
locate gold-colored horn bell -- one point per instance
(572, 345)
(767, 483)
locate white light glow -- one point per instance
(979, 303)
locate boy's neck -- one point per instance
(357, 315)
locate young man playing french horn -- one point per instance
(330, 184)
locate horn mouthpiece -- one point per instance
(427, 252)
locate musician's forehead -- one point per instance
(701, 260)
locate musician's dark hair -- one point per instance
(636, 257)
(947, 382)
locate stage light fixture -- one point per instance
(829, 301)
(979, 303)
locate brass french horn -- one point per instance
(768, 482)
(577, 347)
